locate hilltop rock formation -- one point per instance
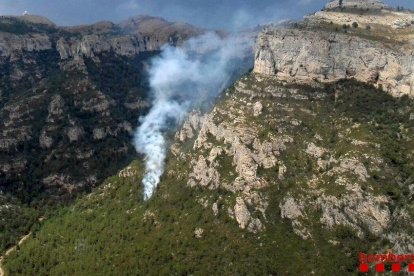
(356, 4)
(370, 14)
(304, 56)
(326, 48)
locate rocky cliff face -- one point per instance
(70, 98)
(129, 38)
(325, 51)
(271, 132)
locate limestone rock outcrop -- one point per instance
(305, 55)
(336, 44)
(129, 38)
(12, 45)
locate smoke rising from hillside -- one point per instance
(182, 79)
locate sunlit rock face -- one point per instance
(372, 45)
(308, 55)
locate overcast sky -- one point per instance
(203, 13)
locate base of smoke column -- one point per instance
(150, 183)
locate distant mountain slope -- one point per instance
(58, 82)
(69, 102)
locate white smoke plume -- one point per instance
(181, 79)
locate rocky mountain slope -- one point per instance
(69, 101)
(276, 173)
(370, 46)
(332, 160)
(299, 166)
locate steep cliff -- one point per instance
(326, 48)
(18, 36)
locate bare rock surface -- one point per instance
(304, 56)
(241, 213)
(317, 51)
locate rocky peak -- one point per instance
(357, 4)
(371, 46)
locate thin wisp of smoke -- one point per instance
(182, 79)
